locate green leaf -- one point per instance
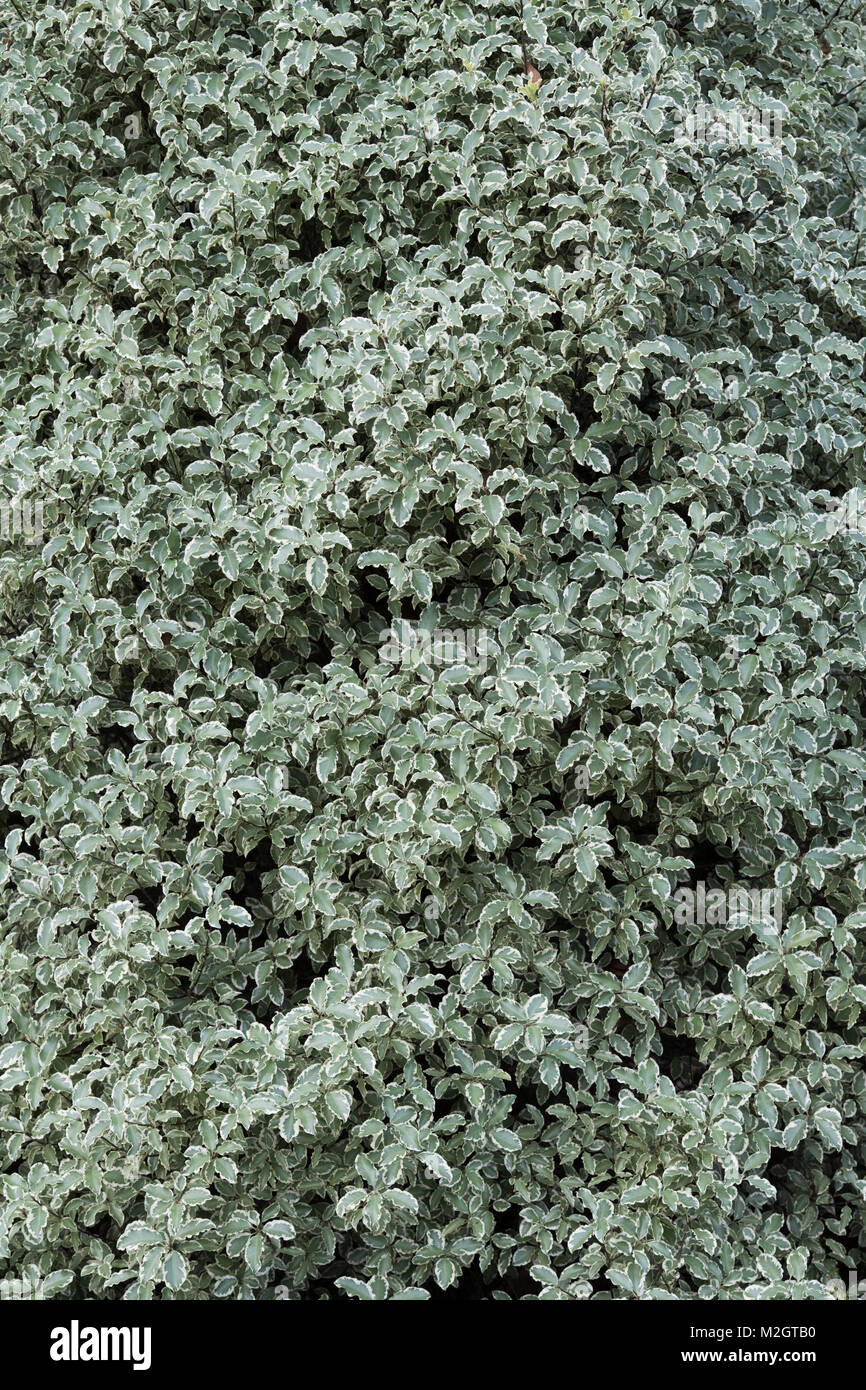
(175, 1270)
(317, 573)
(339, 1103)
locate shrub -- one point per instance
(432, 649)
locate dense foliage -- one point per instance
(448, 438)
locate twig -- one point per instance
(844, 95)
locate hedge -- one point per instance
(431, 666)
